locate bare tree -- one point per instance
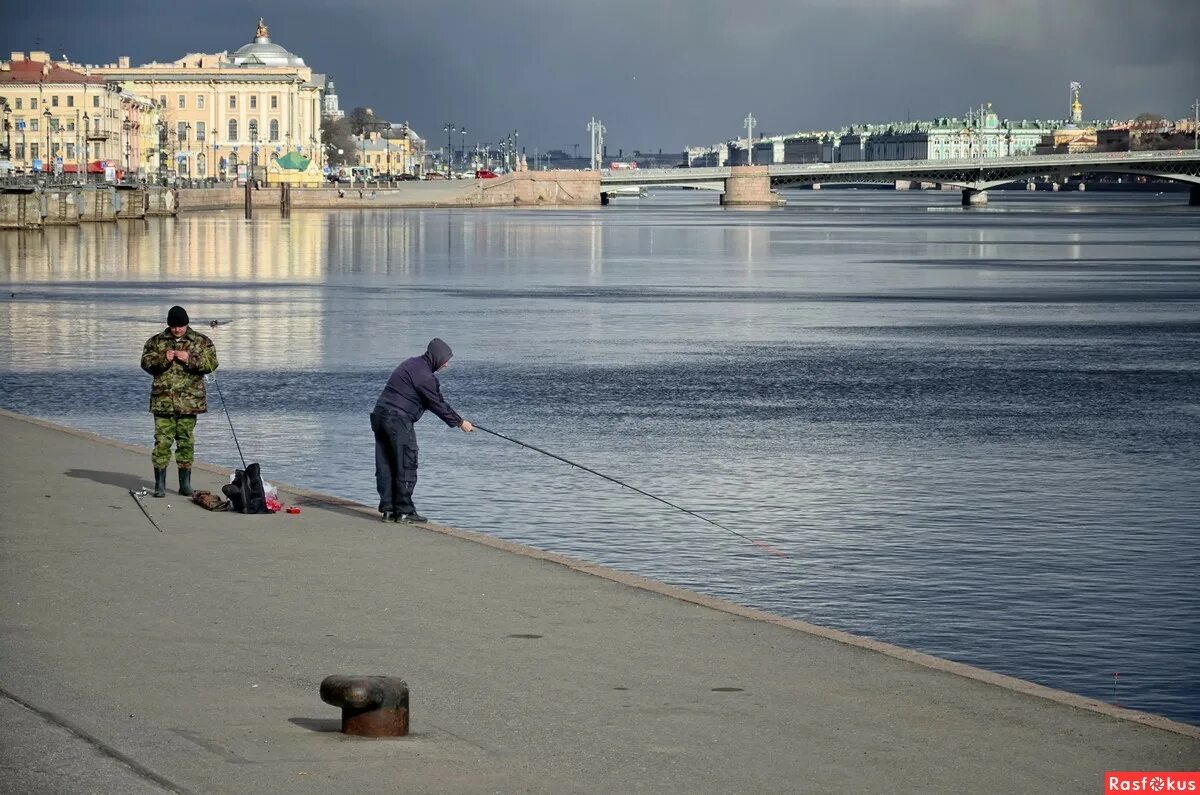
(337, 136)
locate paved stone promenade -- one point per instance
(188, 660)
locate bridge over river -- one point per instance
(751, 185)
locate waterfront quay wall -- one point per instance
(527, 188)
(34, 207)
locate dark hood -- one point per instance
(437, 354)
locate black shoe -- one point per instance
(410, 517)
(160, 482)
(389, 516)
(185, 482)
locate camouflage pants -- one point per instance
(179, 429)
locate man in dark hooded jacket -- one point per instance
(411, 390)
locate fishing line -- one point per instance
(213, 377)
(756, 543)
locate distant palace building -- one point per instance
(219, 111)
(980, 134)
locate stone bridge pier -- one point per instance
(749, 186)
(973, 197)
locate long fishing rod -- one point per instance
(756, 543)
(213, 377)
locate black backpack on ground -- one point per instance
(246, 493)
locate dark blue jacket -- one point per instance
(413, 386)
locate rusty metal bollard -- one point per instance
(372, 706)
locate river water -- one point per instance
(973, 432)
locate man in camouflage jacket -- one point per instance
(178, 357)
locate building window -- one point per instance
(181, 130)
(253, 127)
(70, 101)
(200, 101)
(33, 125)
(70, 126)
(162, 100)
(33, 103)
(20, 149)
(274, 129)
(199, 131)
(233, 101)
(18, 103)
(96, 101)
(233, 131)
(54, 101)
(253, 101)
(70, 151)
(182, 101)
(274, 101)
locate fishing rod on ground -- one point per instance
(755, 542)
(213, 377)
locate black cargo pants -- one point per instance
(395, 461)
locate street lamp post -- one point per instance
(449, 130)
(46, 115)
(187, 148)
(126, 126)
(1195, 124)
(7, 132)
(87, 122)
(386, 132)
(162, 150)
(254, 153)
(749, 121)
(464, 145)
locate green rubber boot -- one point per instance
(160, 482)
(185, 482)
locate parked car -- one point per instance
(484, 173)
(435, 175)
(406, 177)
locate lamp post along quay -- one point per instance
(449, 130)
(750, 121)
(7, 132)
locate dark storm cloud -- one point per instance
(665, 73)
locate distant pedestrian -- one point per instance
(178, 357)
(412, 388)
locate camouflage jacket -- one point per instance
(178, 388)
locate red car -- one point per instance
(485, 174)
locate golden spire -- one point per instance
(261, 33)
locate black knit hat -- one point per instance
(177, 317)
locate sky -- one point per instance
(671, 73)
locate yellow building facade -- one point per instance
(224, 113)
(57, 118)
(390, 152)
